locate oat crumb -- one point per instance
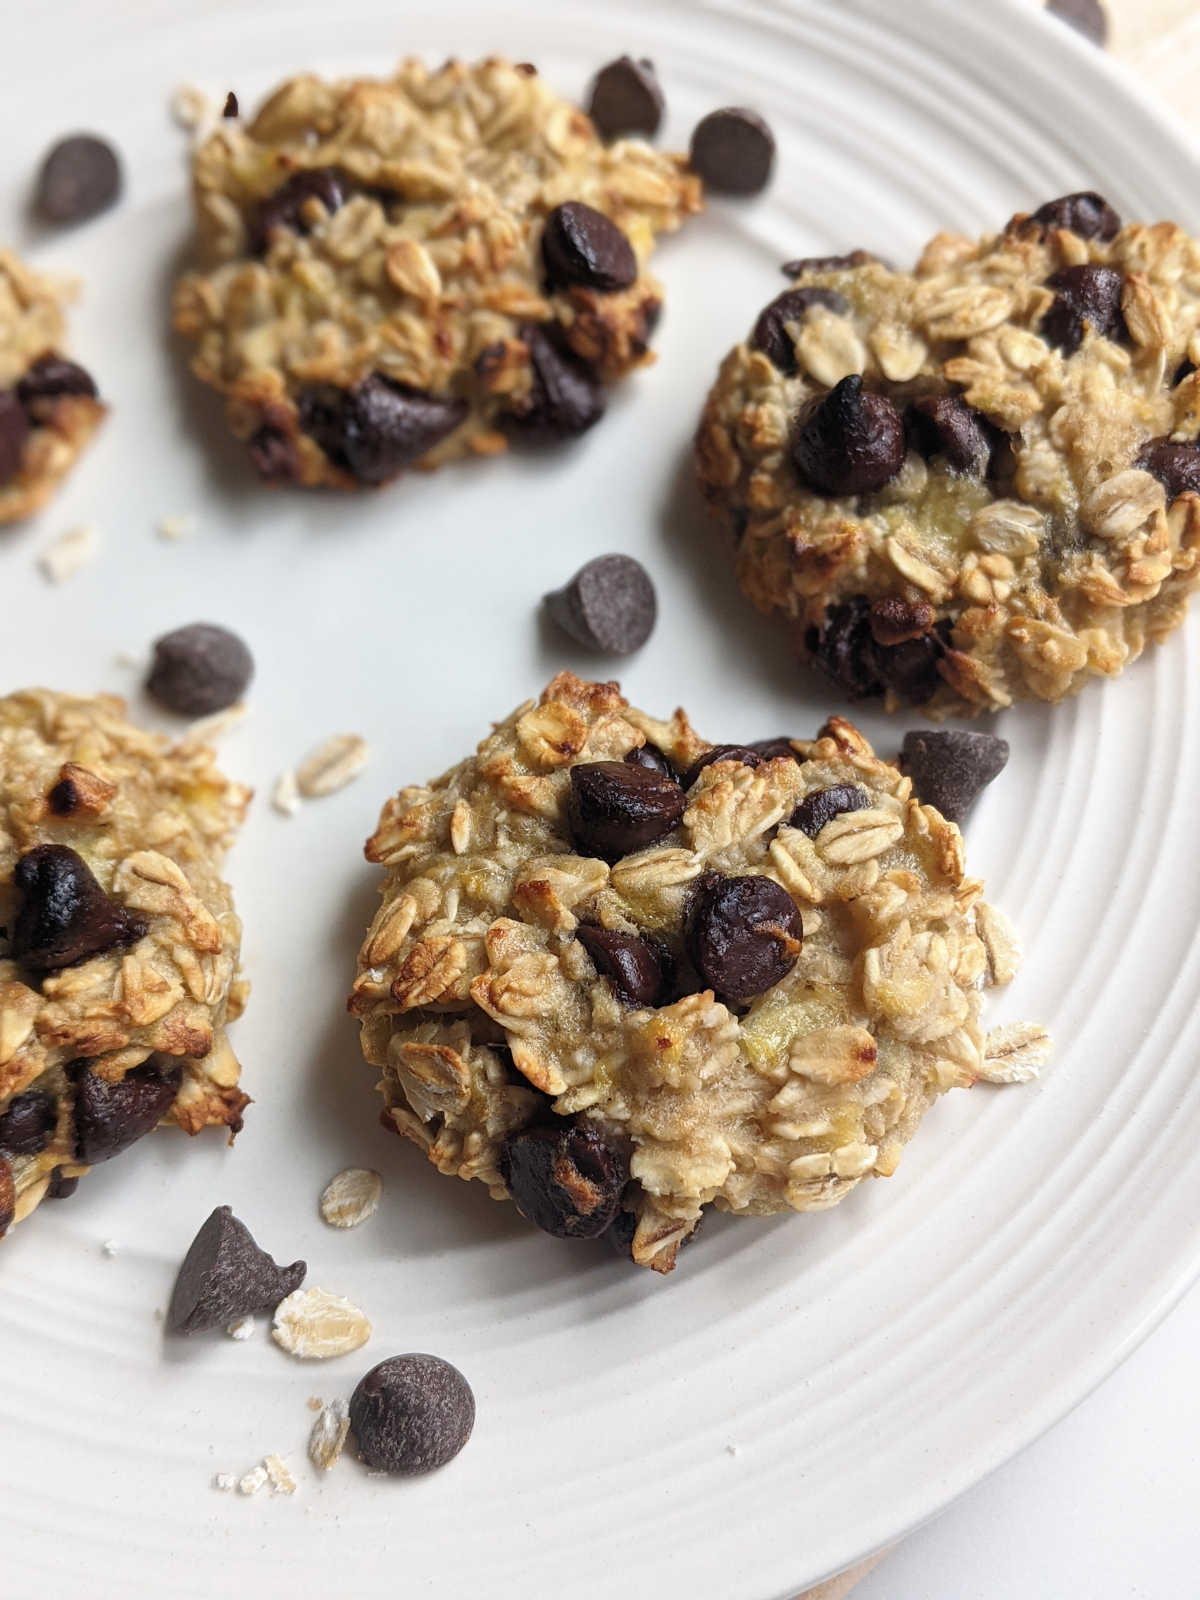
(285, 796)
(280, 1477)
(225, 1481)
(253, 1481)
(191, 107)
(328, 1436)
(176, 527)
(243, 1328)
(110, 1247)
(63, 557)
(315, 1402)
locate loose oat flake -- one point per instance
(332, 765)
(328, 1436)
(285, 796)
(253, 1481)
(191, 107)
(351, 1197)
(175, 528)
(63, 558)
(1015, 1053)
(316, 1325)
(279, 1476)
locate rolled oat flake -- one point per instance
(412, 1414)
(608, 605)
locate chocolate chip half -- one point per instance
(820, 807)
(564, 398)
(61, 1188)
(379, 427)
(1174, 463)
(770, 333)
(65, 915)
(608, 605)
(411, 1414)
(626, 98)
(803, 265)
(109, 1117)
(14, 430)
(950, 767)
(743, 934)
(945, 425)
(746, 754)
(1087, 17)
(733, 150)
(639, 969)
(51, 377)
(1086, 296)
(615, 809)
(649, 755)
(28, 1122)
(851, 443)
(583, 247)
(199, 669)
(80, 177)
(1086, 213)
(226, 1275)
(847, 647)
(288, 207)
(230, 109)
(564, 1177)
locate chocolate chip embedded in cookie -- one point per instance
(49, 407)
(616, 997)
(403, 272)
(118, 939)
(977, 482)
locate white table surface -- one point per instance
(1107, 1505)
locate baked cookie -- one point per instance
(49, 408)
(118, 941)
(401, 271)
(975, 483)
(619, 974)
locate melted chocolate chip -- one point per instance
(733, 150)
(803, 265)
(615, 809)
(564, 398)
(743, 934)
(1175, 463)
(820, 807)
(847, 648)
(564, 1177)
(746, 754)
(226, 1275)
(199, 669)
(28, 1122)
(772, 749)
(584, 248)
(1086, 297)
(649, 755)
(950, 767)
(770, 334)
(625, 99)
(379, 427)
(288, 206)
(273, 455)
(1085, 213)
(14, 430)
(65, 915)
(109, 1117)
(945, 425)
(411, 1414)
(80, 177)
(851, 443)
(51, 377)
(639, 969)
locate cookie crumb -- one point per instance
(351, 1197)
(191, 107)
(63, 558)
(733, 1449)
(226, 1482)
(332, 765)
(315, 1402)
(285, 796)
(110, 1247)
(175, 528)
(280, 1477)
(253, 1481)
(316, 1325)
(328, 1437)
(243, 1328)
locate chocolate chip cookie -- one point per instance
(49, 407)
(620, 974)
(118, 941)
(977, 482)
(406, 271)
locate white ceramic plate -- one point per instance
(799, 1392)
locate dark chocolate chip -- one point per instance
(945, 425)
(14, 430)
(1184, 370)
(564, 398)
(230, 108)
(52, 376)
(61, 1188)
(226, 1275)
(746, 754)
(649, 755)
(564, 1177)
(770, 334)
(608, 605)
(743, 934)
(1085, 213)
(109, 1117)
(80, 177)
(379, 427)
(615, 809)
(1087, 17)
(199, 669)
(626, 98)
(65, 915)
(8, 1197)
(773, 749)
(820, 807)
(639, 969)
(1086, 296)
(288, 206)
(1175, 463)
(851, 443)
(846, 647)
(584, 248)
(733, 150)
(803, 265)
(273, 454)
(28, 1122)
(950, 767)
(411, 1414)
(894, 621)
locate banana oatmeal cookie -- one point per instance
(400, 271)
(118, 941)
(975, 483)
(620, 974)
(48, 405)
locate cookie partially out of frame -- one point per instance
(977, 482)
(49, 407)
(404, 271)
(619, 974)
(118, 941)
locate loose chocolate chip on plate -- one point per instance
(803, 265)
(65, 915)
(230, 108)
(564, 1177)
(1088, 17)
(649, 755)
(746, 754)
(820, 807)
(626, 98)
(199, 669)
(743, 934)
(583, 247)
(608, 605)
(226, 1275)
(411, 1414)
(28, 1122)
(639, 969)
(1175, 463)
(14, 430)
(851, 443)
(1086, 296)
(52, 376)
(109, 1117)
(950, 767)
(379, 427)
(733, 150)
(80, 177)
(770, 333)
(1086, 213)
(564, 398)
(945, 425)
(289, 206)
(615, 808)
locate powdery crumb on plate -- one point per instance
(252, 1481)
(174, 528)
(279, 1475)
(328, 1437)
(332, 765)
(110, 1247)
(316, 1325)
(191, 107)
(351, 1197)
(226, 1482)
(285, 796)
(243, 1328)
(63, 558)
